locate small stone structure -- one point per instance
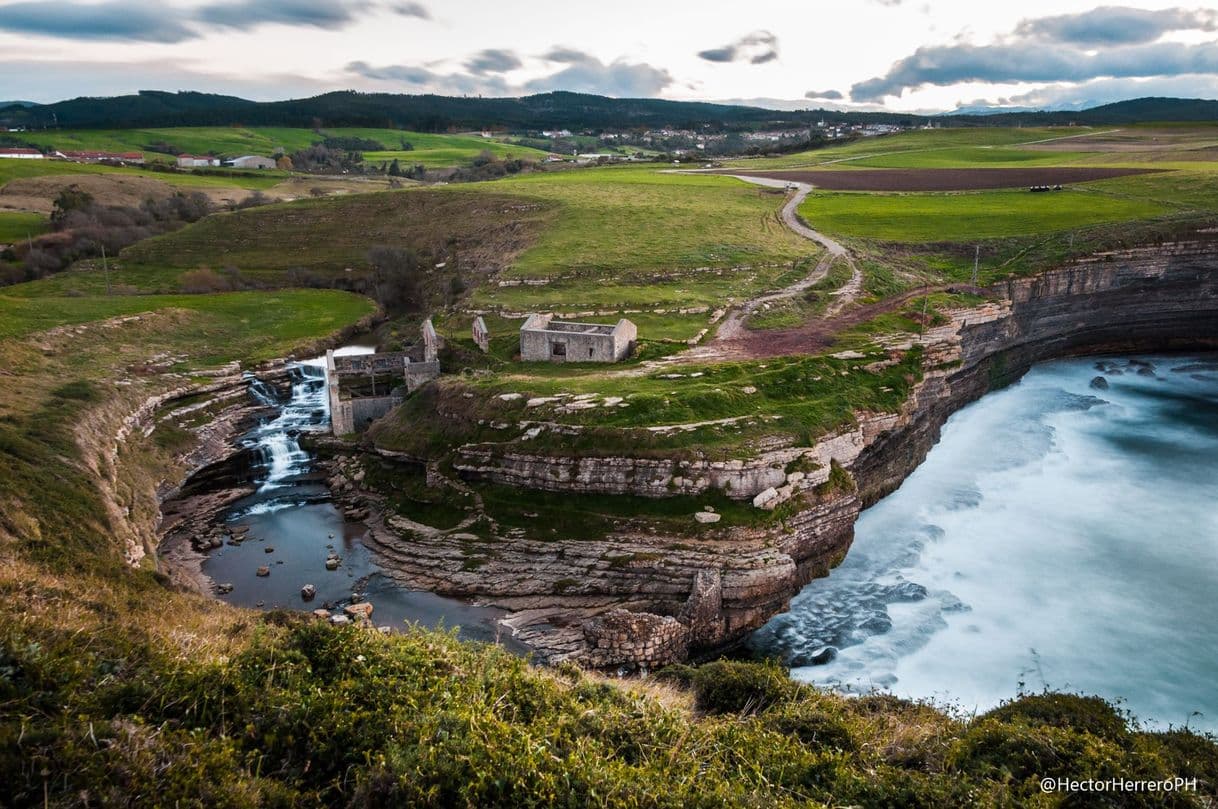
(636, 639)
(364, 387)
(544, 339)
(431, 342)
(481, 334)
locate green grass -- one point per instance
(255, 324)
(962, 141)
(634, 220)
(964, 217)
(18, 225)
(18, 169)
(432, 151)
(334, 233)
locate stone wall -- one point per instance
(542, 339)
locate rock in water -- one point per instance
(263, 571)
(362, 610)
(308, 592)
(332, 563)
(1099, 383)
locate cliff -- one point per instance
(719, 585)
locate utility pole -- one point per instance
(106, 270)
(976, 263)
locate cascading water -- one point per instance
(1062, 534)
(290, 525)
(277, 440)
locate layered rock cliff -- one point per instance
(719, 585)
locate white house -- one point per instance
(250, 161)
(189, 161)
(20, 154)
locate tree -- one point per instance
(284, 163)
(68, 200)
(396, 276)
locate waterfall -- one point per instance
(277, 439)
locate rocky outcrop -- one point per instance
(690, 594)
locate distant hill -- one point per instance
(432, 113)
(4, 104)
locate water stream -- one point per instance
(1062, 534)
(291, 525)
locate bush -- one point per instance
(812, 726)
(1086, 714)
(730, 686)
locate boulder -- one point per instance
(320, 613)
(362, 610)
(767, 499)
(339, 619)
(332, 563)
(308, 592)
(263, 572)
(1099, 383)
(706, 517)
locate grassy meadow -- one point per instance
(18, 225)
(433, 151)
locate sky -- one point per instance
(909, 55)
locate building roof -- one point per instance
(10, 150)
(105, 155)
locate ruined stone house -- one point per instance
(364, 387)
(544, 339)
(481, 334)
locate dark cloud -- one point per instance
(832, 95)
(117, 19)
(493, 60)
(620, 79)
(142, 21)
(1029, 59)
(315, 13)
(1117, 25)
(756, 48)
(566, 55)
(421, 79)
(412, 10)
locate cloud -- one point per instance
(1093, 93)
(756, 48)
(315, 13)
(116, 19)
(1030, 59)
(582, 73)
(566, 55)
(493, 60)
(1117, 25)
(832, 95)
(412, 10)
(620, 79)
(144, 21)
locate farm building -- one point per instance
(544, 339)
(21, 154)
(250, 161)
(189, 161)
(102, 157)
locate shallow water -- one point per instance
(293, 526)
(1058, 536)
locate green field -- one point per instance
(431, 150)
(18, 225)
(965, 217)
(254, 324)
(630, 220)
(19, 169)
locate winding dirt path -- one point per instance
(733, 340)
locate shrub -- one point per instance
(730, 686)
(1086, 714)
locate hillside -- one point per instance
(433, 113)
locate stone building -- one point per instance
(364, 387)
(481, 334)
(544, 339)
